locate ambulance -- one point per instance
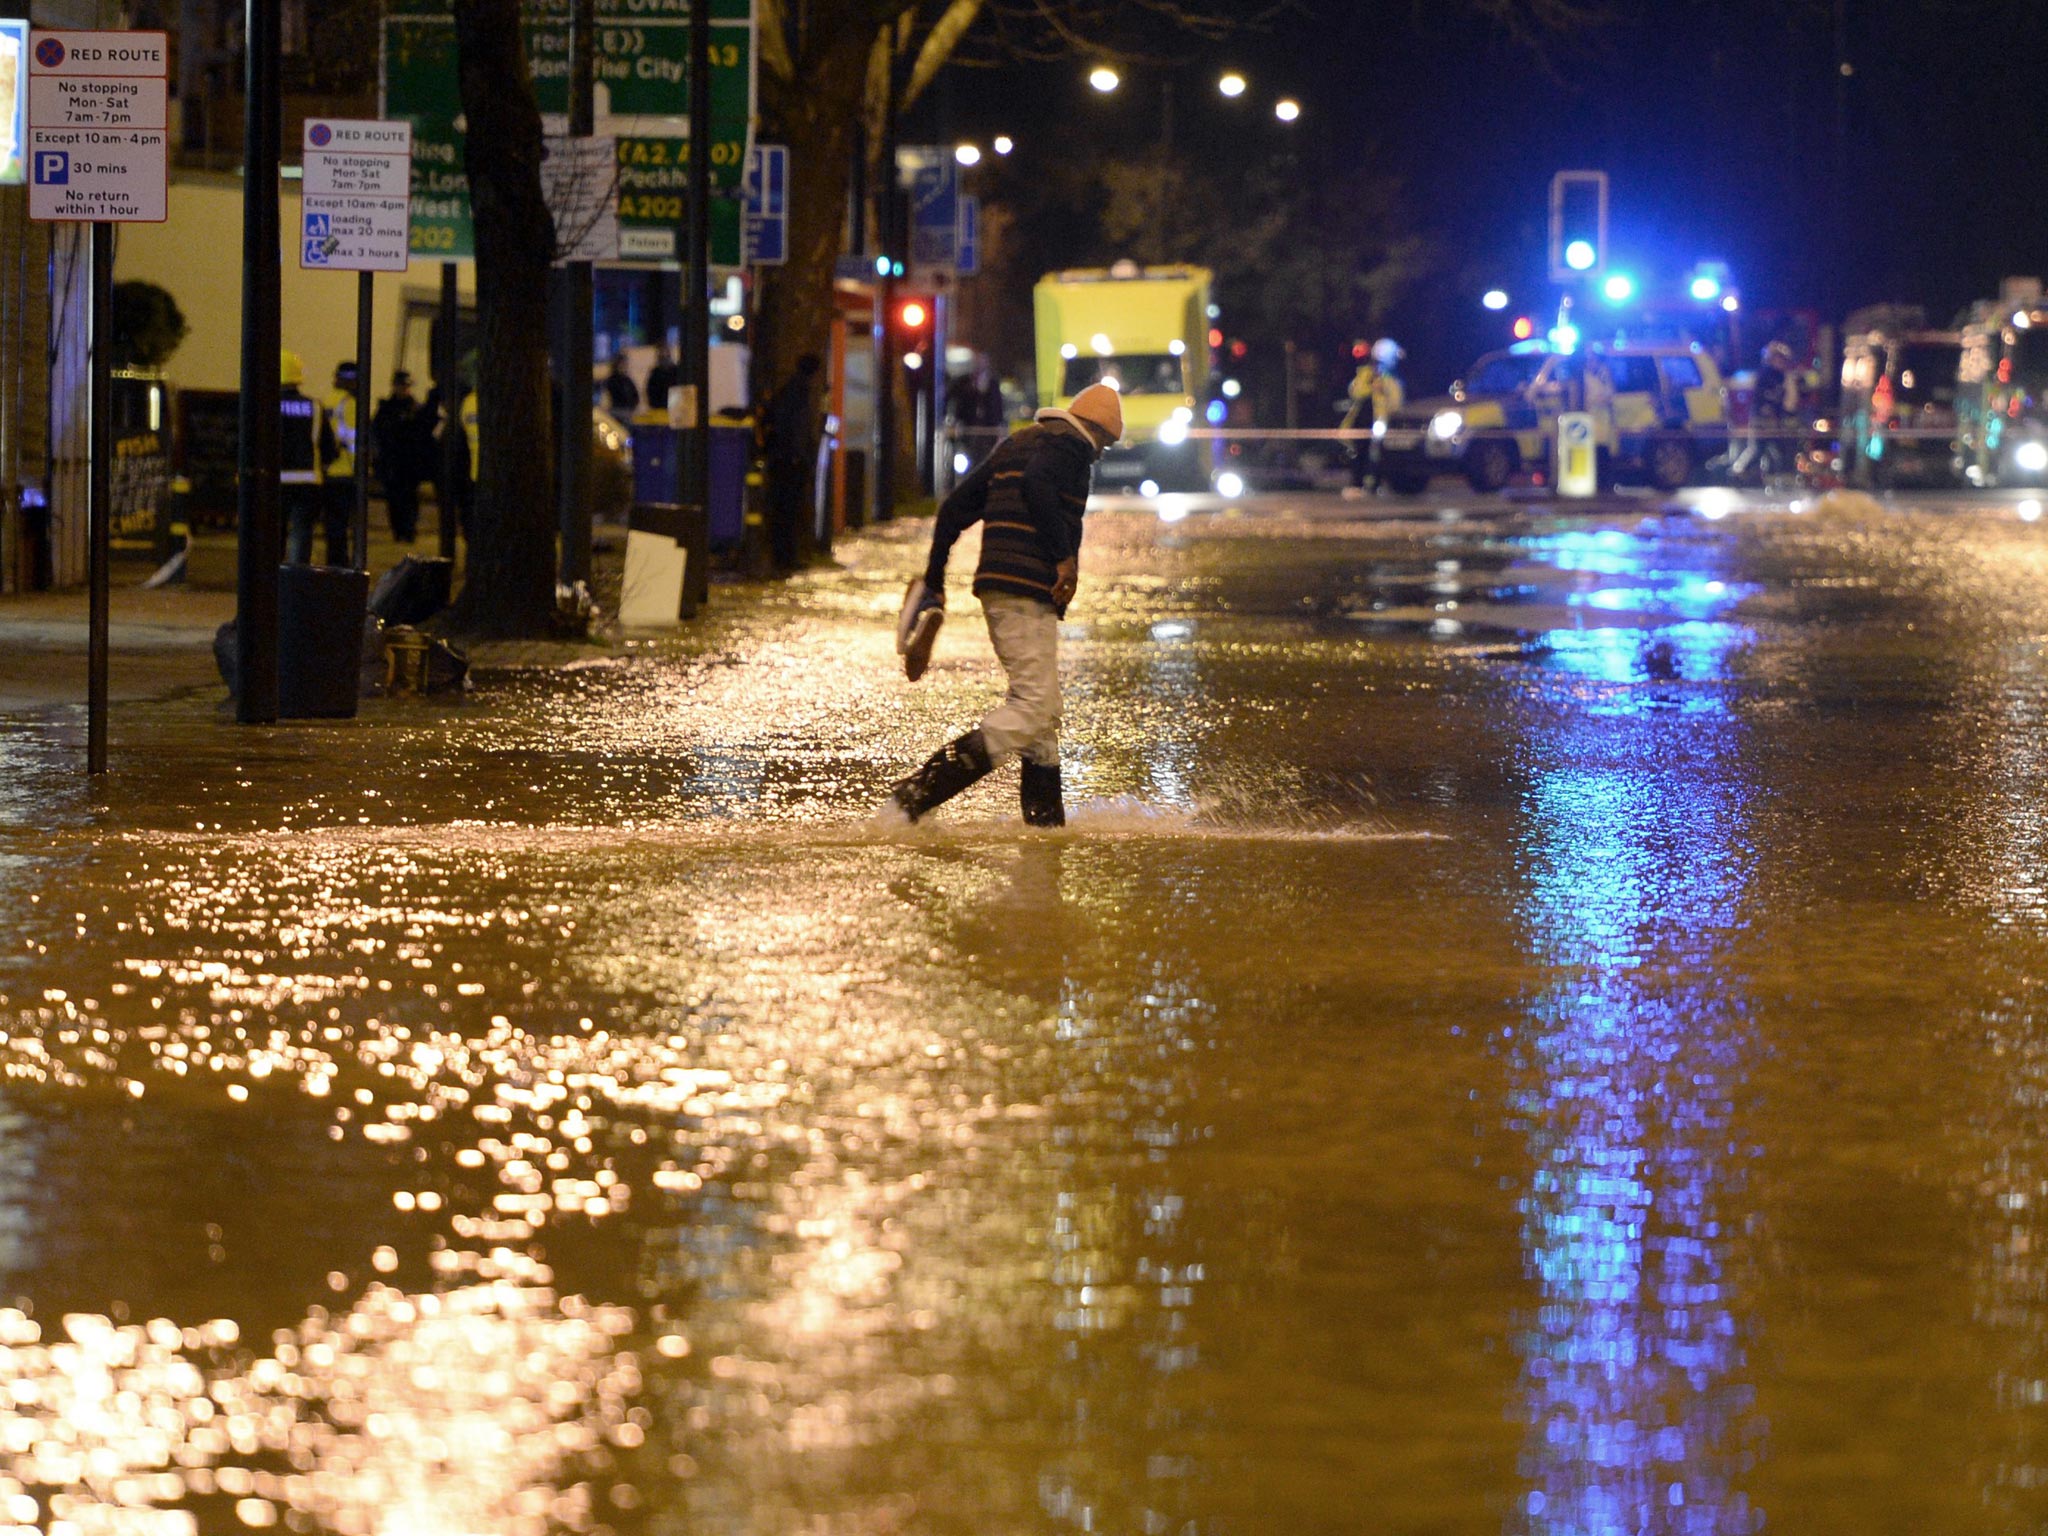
(1144, 331)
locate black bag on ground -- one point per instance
(414, 590)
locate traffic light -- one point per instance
(1578, 225)
(913, 331)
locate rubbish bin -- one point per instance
(732, 449)
(320, 612)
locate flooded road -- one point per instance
(1538, 1024)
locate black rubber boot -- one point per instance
(1039, 790)
(949, 770)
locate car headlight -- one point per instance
(2031, 456)
(1379, 427)
(1173, 433)
(1445, 425)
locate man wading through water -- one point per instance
(1028, 495)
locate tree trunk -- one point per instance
(509, 589)
(815, 118)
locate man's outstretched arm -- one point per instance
(960, 511)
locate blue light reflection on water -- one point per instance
(1636, 859)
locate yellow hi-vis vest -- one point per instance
(341, 421)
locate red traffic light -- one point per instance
(1524, 328)
(913, 314)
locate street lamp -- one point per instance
(968, 154)
(1104, 79)
(1004, 144)
(1495, 298)
(1287, 109)
(1231, 85)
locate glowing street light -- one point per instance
(1004, 144)
(1580, 256)
(1287, 109)
(1495, 298)
(1706, 288)
(1232, 85)
(1619, 288)
(968, 154)
(1104, 79)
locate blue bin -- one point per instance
(658, 474)
(657, 465)
(731, 448)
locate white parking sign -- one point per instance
(357, 195)
(97, 146)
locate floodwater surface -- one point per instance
(1536, 1025)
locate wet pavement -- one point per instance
(1538, 1025)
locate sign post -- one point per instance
(1578, 460)
(356, 215)
(640, 97)
(99, 154)
(767, 206)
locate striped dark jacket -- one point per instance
(1028, 495)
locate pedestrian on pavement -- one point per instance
(792, 459)
(400, 461)
(299, 492)
(338, 463)
(449, 471)
(621, 394)
(662, 378)
(1029, 495)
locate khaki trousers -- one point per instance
(1026, 635)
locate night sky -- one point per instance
(1716, 121)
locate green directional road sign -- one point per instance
(642, 98)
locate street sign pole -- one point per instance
(447, 363)
(101, 511)
(366, 294)
(696, 364)
(99, 154)
(356, 216)
(578, 300)
(259, 544)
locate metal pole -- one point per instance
(454, 460)
(696, 363)
(939, 467)
(578, 359)
(100, 505)
(886, 243)
(260, 542)
(366, 283)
